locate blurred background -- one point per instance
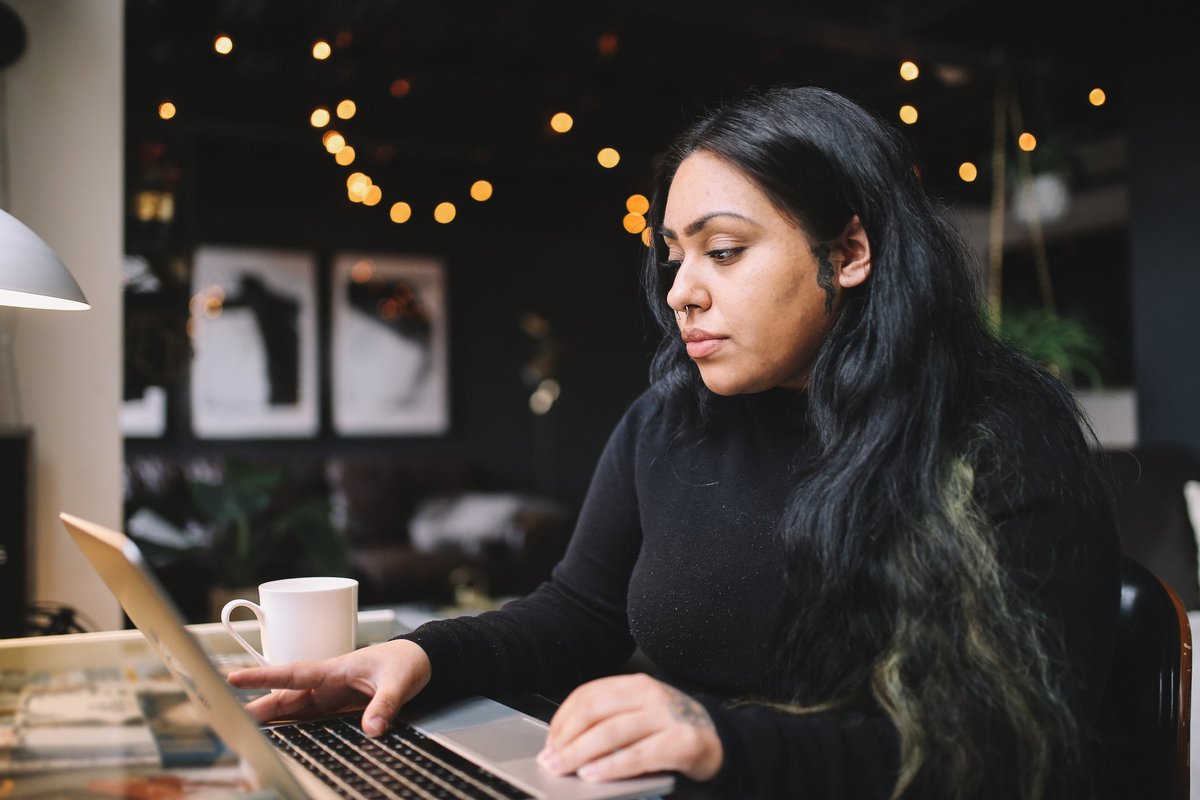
(365, 273)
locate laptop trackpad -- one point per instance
(501, 741)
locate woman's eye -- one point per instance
(724, 253)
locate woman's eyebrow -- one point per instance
(698, 225)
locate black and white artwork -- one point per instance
(254, 335)
(389, 350)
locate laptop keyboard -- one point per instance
(402, 763)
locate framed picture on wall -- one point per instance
(254, 336)
(389, 346)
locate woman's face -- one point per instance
(758, 298)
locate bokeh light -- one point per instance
(401, 212)
(445, 212)
(561, 122)
(481, 191)
(608, 157)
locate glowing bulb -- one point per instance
(647, 239)
(355, 177)
(561, 122)
(400, 213)
(908, 114)
(223, 45)
(346, 109)
(1097, 96)
(1027, 142)
(373, 196)
(445, 212)
(608, 157)
(166, 110)
(319, 118)
(321, 50)
(481, 190)
(400, 87)
(362, 271)
(345, 156)
(634, 223)
(333, 142)
(637, 204)
(968, 171)
(909, 71)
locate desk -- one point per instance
(126, 652)
(102, 713)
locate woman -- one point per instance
(860, 538)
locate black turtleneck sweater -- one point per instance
(676, 552)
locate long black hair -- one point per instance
(895, 573)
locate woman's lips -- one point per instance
(701, 344)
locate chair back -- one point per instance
(1145, 713)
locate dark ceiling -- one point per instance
(485, 78)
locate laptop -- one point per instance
(475, 748)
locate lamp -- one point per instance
(31, 276)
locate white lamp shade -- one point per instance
(31, 275)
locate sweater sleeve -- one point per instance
(572, 628)
(1065, 558)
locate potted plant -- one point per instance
(258, 532)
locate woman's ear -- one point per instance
(855, 253)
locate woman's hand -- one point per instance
(386, 675)
(629, 725)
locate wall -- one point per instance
(1165, 170)
(64, 134)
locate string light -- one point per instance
(1027, 142)
(608, 157)
(400, 87)
(637, 204)
(634, 223)
(373, 196)
(346, 109)
(445, 212)
(166, 109)
(908, 114)
(561, 122)
(968, 171)
(909, 71)
(481, 191)
(647, 238)
(321, 50)
(1097, 96)
(362, 271)
(319, 117)
(401, 212)
(223, 45)
(333, 141)
(345, 156)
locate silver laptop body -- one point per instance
(486, 733)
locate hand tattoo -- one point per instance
(686, 710)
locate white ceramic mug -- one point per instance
(301, 619)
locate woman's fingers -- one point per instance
(386, 675)
(630, 725)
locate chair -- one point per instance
(1145, 712)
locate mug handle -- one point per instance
(258, 612)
